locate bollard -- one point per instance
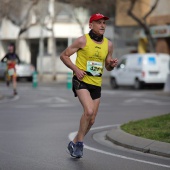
(69, 80)
(35, 79)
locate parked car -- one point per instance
(2, 70)
(24, 70)
(140, 69)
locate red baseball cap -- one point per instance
(96, 17)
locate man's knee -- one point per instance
(89, 112)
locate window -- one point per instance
(61, 44)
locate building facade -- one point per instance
(160, 26)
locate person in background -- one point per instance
(11, 58)
(94, 52)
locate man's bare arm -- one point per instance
(65, 56)
(110, 62)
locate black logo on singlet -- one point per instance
(98, 47)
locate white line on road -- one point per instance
(53, 100)
(72, 135)
(130, 100)
(144, 101)
(5, 100)
(156, 102)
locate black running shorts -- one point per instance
(95, 91)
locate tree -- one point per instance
(86, 7)
(80, 14)
(53, 11)
(18, 12)
(94, 6)
(143, 21)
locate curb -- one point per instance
(119, 137)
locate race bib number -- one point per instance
(95, 68)
(11, 72)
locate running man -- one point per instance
(11, 58)
(94, 51)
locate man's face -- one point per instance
(98, 26)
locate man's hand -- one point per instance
(80, 74)
(113, 62)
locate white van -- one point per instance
(140, 69)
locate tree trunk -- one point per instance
(142, 22)
(53, 55)
(41, 53)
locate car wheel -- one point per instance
(138, 84)
(113, 83)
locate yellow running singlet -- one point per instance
(91, 58)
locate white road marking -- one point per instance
(53, 100)
(60, 105)
(9, 99)
(15, 98)
(156, 102)
(72, 135)
(144, 101)
(25, 106)
(130, 100)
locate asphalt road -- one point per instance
(35, 128)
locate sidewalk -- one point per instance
(119, 137)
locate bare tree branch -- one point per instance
(25, 18)
(22, 30)
(130, 13)
(142, 22)
(152, 9)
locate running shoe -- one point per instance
(78, 150)
(70, 148)
(7, 83)
(15, 92)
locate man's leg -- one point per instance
(89, 109)
(76, 148)
(96, 103)
(7, 78)
(96, 106)
(14, 79)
